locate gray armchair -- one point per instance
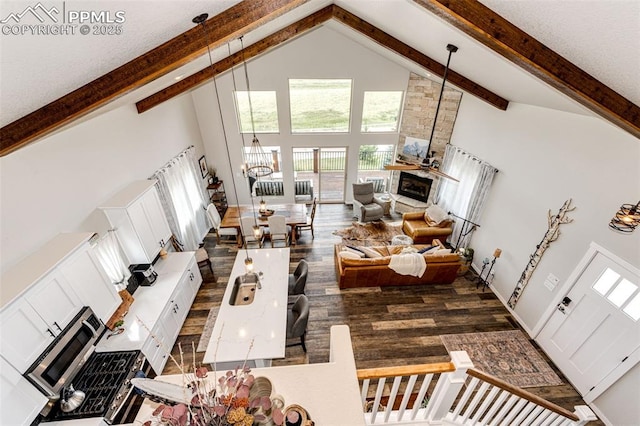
(366, 207)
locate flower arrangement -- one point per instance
(224, 401)
(227, 404)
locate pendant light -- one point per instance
(260, 163)
(200, 20)
(452, 49)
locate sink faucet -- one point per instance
(260, 274)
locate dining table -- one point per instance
(295, 214)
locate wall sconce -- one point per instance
(627, 218)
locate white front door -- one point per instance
(596, 327)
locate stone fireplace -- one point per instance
(414, 186)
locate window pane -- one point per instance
(381, 111)
(633, 308)
(320, 105)
(621, 293)
(606, 280)
(265, 111)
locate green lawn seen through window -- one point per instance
(320, 105)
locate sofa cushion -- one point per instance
(442, 252)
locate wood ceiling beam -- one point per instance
(267, 43)
(304, 25)
(419, 58)
(231, 23)
(495, 32)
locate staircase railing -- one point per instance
(454, 393)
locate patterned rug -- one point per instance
(507, 355)
(208, 329)
(369, 234)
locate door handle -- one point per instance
(57, 326)
(566, 301)
(51, 332)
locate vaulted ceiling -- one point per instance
(581, 57)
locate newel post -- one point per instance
(448, 387)
(585, 414)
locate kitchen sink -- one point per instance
(244, 289)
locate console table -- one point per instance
(402, 204)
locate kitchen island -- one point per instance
(328, 391)
(255, 332)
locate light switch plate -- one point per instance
(548, 284)
(554, 280)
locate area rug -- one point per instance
(208, 329)
(507, 355)
(369, 234)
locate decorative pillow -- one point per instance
(424, 250)
(369, 252)
(355, 248)
(350, 250)
(442, 252)
(432, 250)
(408, 249)
(348, 255)
(436, 213)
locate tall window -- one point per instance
(320, 105)
(265, 111)
(381, 111)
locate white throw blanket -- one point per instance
(408, 264)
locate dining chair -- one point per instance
(309, 224)
(216, 220)
(202, 255)
(278, 229)
(297, 319)
(246, 228)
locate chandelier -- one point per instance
(257, 163)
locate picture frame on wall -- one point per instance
(204, 171)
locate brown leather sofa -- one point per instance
(374, 272)
(421, 231)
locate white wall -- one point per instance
(545, 157)
(54, 184)
(323, 53)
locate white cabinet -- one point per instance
(158, 312)
(138, 217)
(29, 324)
(21, 401)
(88, 279)
(25, 335)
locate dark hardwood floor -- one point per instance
(389, 326)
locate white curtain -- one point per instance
(184, 198)
(110, 255)
(465, 198)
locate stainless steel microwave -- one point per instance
(62, 359)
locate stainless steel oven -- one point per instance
(71, 364)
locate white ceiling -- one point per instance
(600, 36)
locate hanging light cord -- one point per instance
(452, 49)
(246, 76)
(200, 20)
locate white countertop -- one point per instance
(148, 304)
(264, 321)
(328, 391)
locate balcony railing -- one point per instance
(333, 160)
(454, 393)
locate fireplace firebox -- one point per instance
(414, 186)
